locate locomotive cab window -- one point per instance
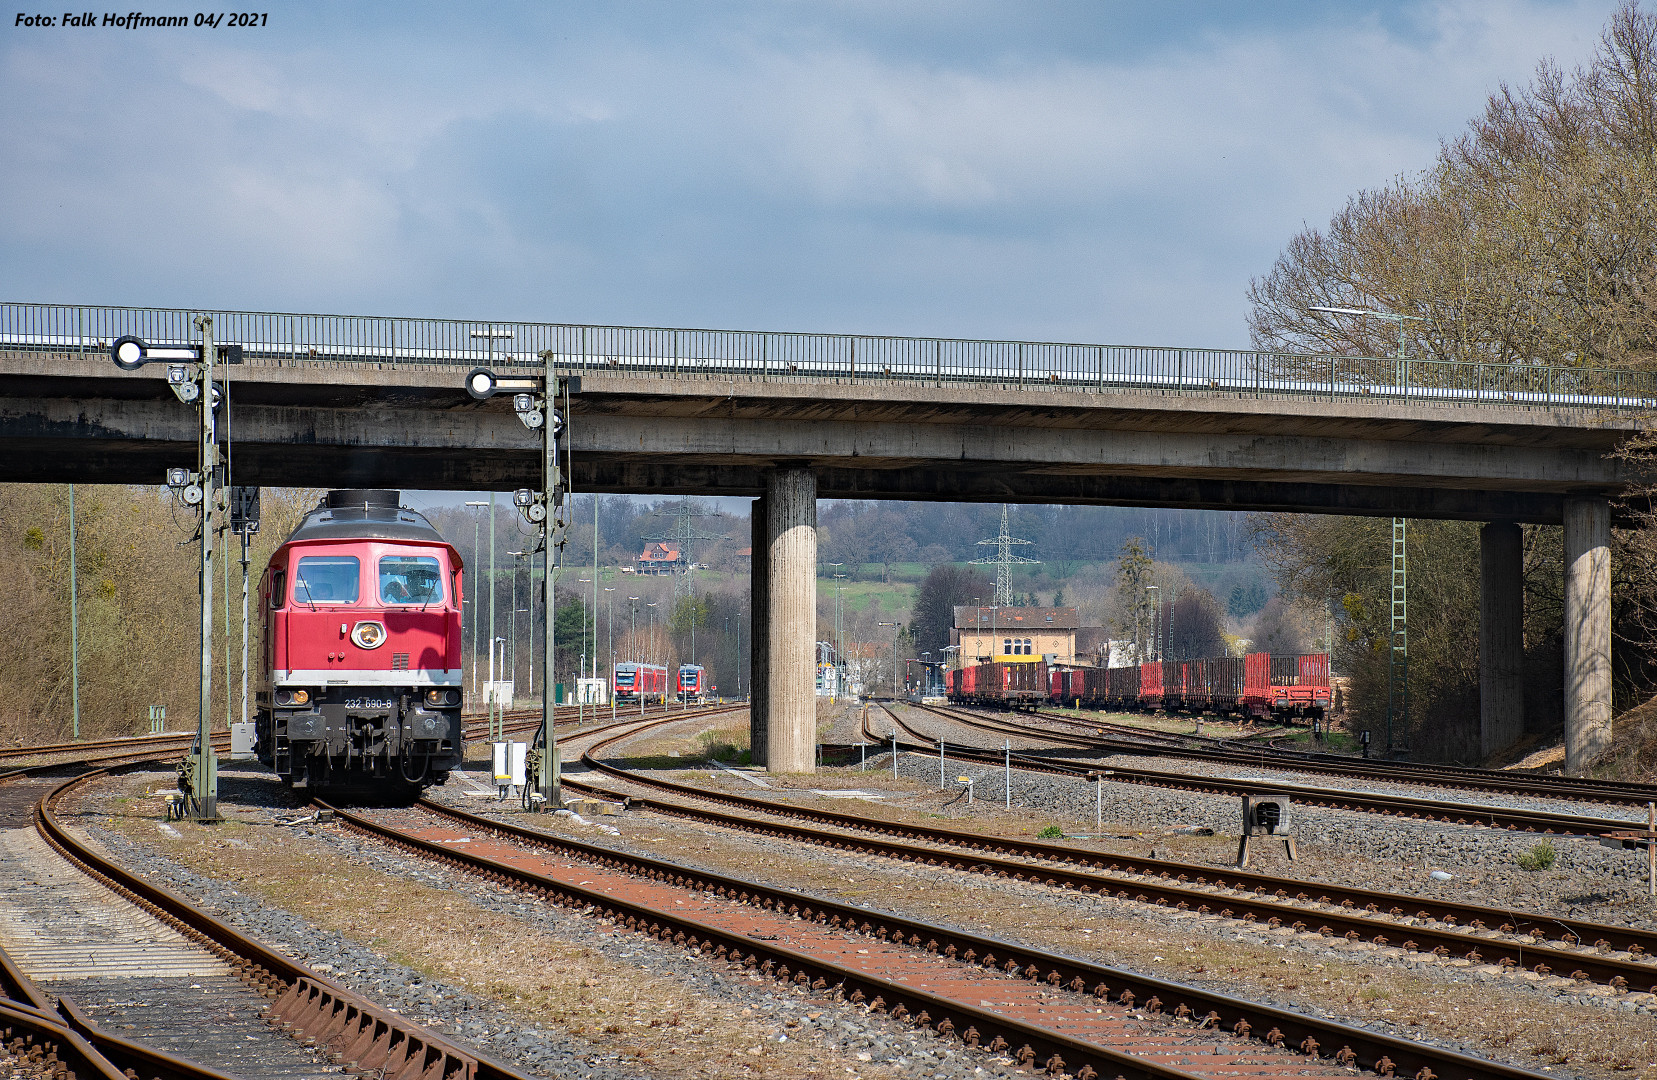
(410, 579)
(326, 579)
(278, 587)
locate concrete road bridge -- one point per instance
(789, 418)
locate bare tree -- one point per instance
(1533, 239)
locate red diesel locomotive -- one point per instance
(361, 682)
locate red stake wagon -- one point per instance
(1287, 687)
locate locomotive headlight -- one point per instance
(439, 698)
(368, 635)
(293, 697)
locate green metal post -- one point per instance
(74, 625)
(1398, 656)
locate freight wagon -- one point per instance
(1001, 684)
(1284, 688)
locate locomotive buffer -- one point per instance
(535, 400)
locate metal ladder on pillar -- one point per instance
(1398, 653)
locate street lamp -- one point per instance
(1155, 648)
(1403, 353)
(633, 634)
(610, 624)
(894, 627)
(517, 565)
(477, 525)
(589, 581)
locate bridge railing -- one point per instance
(290, 339)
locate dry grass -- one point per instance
(656, 1021)
(1632, 755)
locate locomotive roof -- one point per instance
(365, 522)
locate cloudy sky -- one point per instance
(1090, 171)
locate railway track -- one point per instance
(1187, 1011)
(1459, 813)
(1234, 751)
(1624, 958)
(1052, 1013)
(183, 985)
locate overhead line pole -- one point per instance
(74, 625)
(202, 765)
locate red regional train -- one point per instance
(1259, 684)
(634, 681)
(361, 672)
(693, 683)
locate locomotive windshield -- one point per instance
(410, 579)
(326, 579)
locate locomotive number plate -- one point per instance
(367, 703)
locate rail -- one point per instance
(278, 339)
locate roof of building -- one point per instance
(658, 552)
(1016, 618)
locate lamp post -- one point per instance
(1155, 649)
(75, 625)
(894, 627)
(517, 565)
(610, 624)
(633, 633)
(477, 532)
(587, 581)
(492, 694)
(595, 585)
(836, 576)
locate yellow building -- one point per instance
(1013, 633)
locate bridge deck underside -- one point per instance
(68, 418)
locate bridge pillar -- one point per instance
(759, 645)
(1501, 636)
(791, 595)
(1587, 630)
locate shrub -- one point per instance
(1539, 857)
(1052, 832)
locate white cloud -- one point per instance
(751, 173)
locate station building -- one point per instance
(989, 632)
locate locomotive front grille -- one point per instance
(399, 661)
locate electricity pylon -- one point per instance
(1004, 560)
